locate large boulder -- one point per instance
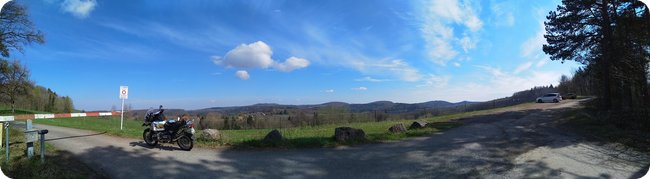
(344, 134)
(273, 136)
(210, 134)
(397, 128)
(418, 125)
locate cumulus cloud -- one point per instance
(360, 89)
(247, 56)
(437, 28)
(242, 74)
(292, 63)
(257, 55)
(79, 8)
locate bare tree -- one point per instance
(16, 30)
(14, 81)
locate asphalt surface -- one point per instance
(516, 144)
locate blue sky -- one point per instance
(199, 54)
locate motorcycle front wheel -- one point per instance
(148, 137)
(185, 143)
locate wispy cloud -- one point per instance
(502, 14)
(541, 62)
(436, 81)
(370, 79)
(360, 89)
(79, 8)
(493, 83)
(324, 52)
(437, 29)
(329, 91)
(523, 67)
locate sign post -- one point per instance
(5, 125)
(124, 94)
(30, 138)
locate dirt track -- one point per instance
(515, 144)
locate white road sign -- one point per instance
(124, 92)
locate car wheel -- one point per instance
(555, 101)
(539, 101)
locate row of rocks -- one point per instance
(397, 128)
(341, 134)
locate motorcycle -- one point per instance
(167, 131)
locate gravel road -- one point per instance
(516, 144)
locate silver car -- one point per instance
(550, 97)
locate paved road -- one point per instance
(514, 144)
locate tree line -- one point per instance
(283, 117)
(16, 89)
(611, 38)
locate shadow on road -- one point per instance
(158, 146)
(70, 137)
(484, 146)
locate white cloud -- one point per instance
(360, 89)
(329, 91)
(397, 67)
(523, 67)
(456, 64)
(502, 15)
(256, 55)
(370, 79)
(467, 43)
(533, 45)
(436, 81)
(79, 8)
(493, 83)
(541, 62)
(438, 32)
(246, 56)
(242, 74)
(292, 63)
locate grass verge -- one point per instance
(57, 164)
(317, 136)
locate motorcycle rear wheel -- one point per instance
(185, 143)
(148, 138)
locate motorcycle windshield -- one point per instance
(148, 114)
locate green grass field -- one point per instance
(318, 136)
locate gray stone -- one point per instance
(273, 136)
(210, 134)
(418, 125)
(397, 128)
(343, 134)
